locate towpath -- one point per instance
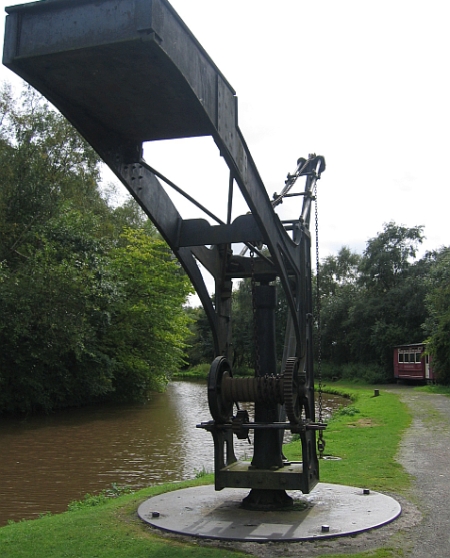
(425, 454)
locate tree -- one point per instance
(54, 308)
(200, 348)
(148, 332)
(437, 325)
(387, 257)
(338, 289)
(389, 308)
(44, 163)
(243, 326)
(339, 272)
(373, 301)
(86, 314)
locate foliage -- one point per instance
(375, 301)
(434, 388)
(354, 372)
(386, 259)
(197, 372)
(201, 371)
(91, 300)
(338, 289)
(91, 500)
(243, 326)
(200, 473)
(53, 309)
(438, 324)
(43, 163)
(200, 348)
(148, 324)
(349, 410)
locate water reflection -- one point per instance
(46, 462)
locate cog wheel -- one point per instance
(292, 401)
(221, 410)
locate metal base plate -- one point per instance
(330, 510)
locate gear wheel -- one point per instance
(292, 402)
(221, 410)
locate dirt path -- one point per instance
(425, 453)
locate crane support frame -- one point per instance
(125, 72)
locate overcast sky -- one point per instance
(364, 83)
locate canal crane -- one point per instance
(125, 72)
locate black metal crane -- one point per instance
(125, 72)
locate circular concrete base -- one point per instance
(331, 510)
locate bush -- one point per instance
(368, 373)
(199, 371)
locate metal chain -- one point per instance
(320, 441)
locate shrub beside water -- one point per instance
(367, 373)
(352, 372)
(91, 500)
(201, 371)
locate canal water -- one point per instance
(48, 461)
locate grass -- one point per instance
(365, 435)
(109, 529)
(432, 388)
(201, 371)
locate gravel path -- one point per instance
(425, 453)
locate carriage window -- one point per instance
(400, 356)
(418, 357)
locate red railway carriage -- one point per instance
(412, 363)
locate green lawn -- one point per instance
(365, 435)
(108, 529)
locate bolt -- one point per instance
(366, 491)
(155, 514)
(325, 528)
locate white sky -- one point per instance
(364, 83)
